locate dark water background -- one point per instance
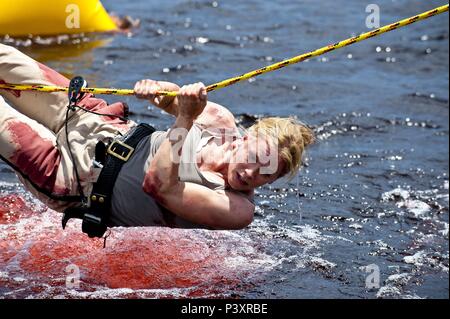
(375, 190)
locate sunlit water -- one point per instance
(374, 192)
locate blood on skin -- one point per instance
(35, 157)
(152, 185)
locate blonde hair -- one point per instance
(293, 137)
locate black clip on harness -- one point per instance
(96, 215)
(75, 94)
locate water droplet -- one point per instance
(349, 56)
(166, 70)
(378, 49)
(202, 40)
(388, 49)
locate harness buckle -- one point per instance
(120, 150)
(95, 216)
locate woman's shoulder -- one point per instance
(216, 116)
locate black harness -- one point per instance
(95, 215)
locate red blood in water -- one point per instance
(12, 208)
(196, 262)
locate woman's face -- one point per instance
(255, 162)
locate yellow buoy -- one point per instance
(52, 17)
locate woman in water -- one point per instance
(199, 174)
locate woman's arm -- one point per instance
(214, 115)
(196, 203)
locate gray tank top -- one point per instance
(131, 206)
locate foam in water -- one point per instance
(34, 249)
(137, 262)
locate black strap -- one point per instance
(95, 217)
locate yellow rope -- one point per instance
(254, 73)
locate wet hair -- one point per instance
(292, 136)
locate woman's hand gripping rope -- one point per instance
(147, 90)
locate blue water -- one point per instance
(375, 189)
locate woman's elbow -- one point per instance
(243, 220)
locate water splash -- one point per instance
(149, 262)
